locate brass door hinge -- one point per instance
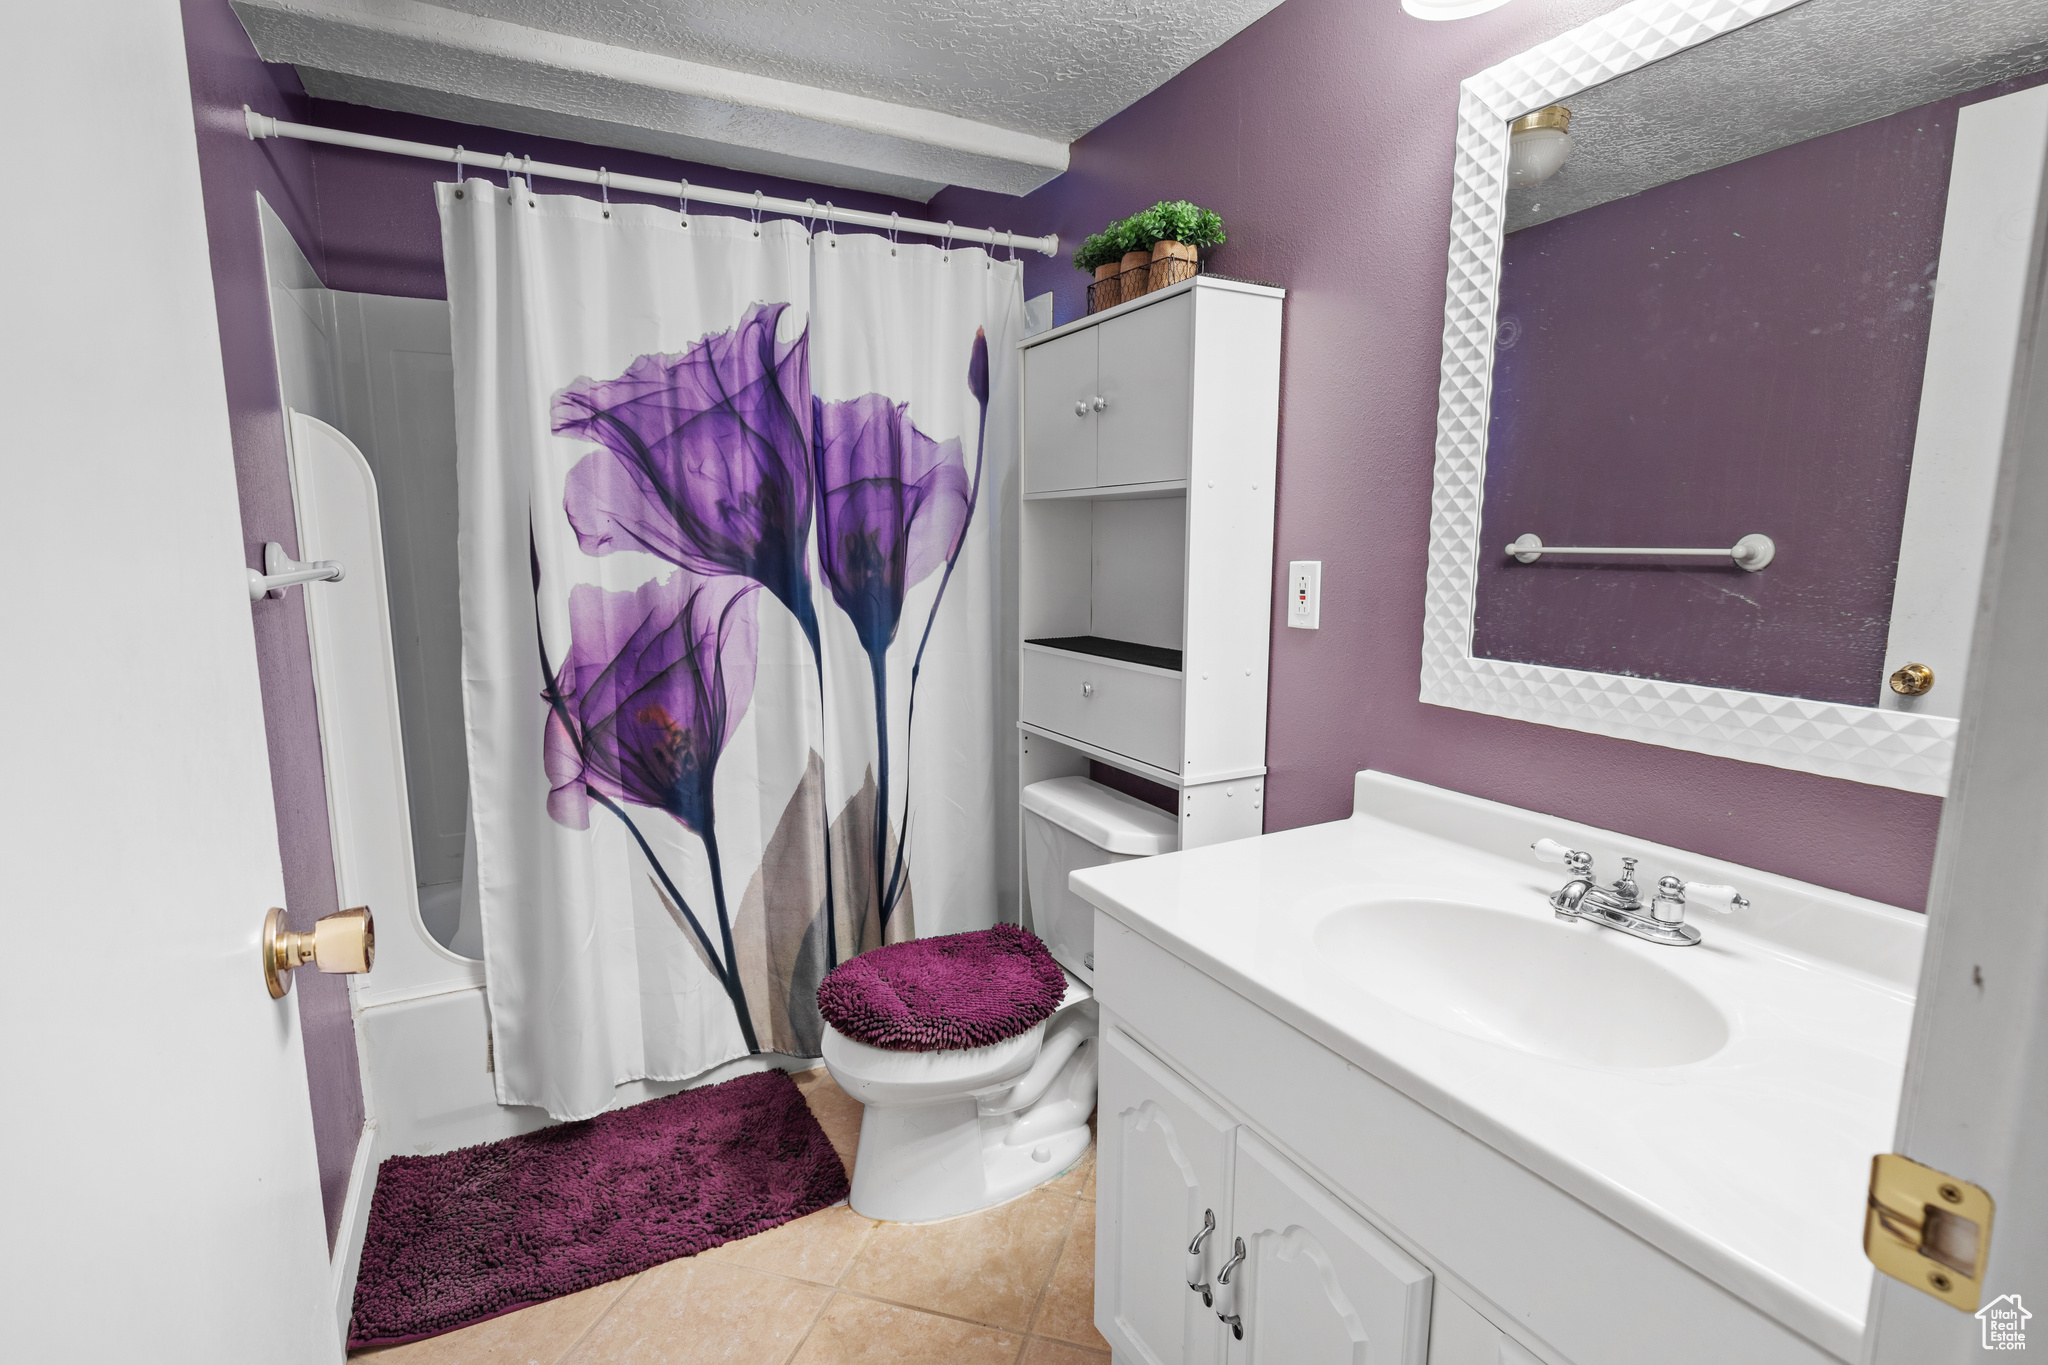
(1928, 1229)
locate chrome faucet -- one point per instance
(1620, 905)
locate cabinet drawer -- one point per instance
(1121, 709)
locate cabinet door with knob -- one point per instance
(1163, 1182)
(1146, 385)
(1060, 418)
(1316, 1283)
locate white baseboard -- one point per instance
(355, 1222)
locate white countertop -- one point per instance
(1751, 1166)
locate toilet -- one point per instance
(948, 1132)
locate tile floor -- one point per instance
(1013, 1285)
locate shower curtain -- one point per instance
(728, 557)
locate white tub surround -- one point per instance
(1612, 1150)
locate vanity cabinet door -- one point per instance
(1320, 1286)
(1460, 1335)
(1163, 1163)
(1147, 387)
(1059, 443)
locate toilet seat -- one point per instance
(876, 1074)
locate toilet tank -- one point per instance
(1071, 823)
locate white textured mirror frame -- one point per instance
(1864, 744)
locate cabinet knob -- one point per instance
(1087, 689)
(1101, 403)
(1080, 407)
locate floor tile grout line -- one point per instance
(816, 1318)
(584, 1336)
(1038, 1304)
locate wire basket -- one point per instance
(1140, 280)
(1105, 293)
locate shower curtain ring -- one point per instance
(946, 242)
(757, 213)
(526, 174)
(810, 216)
(604, 188)
(991, 261)
(683, 204)
(458, 170)
(892, 232)
(830, 218)
(506, 163)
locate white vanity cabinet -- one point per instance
(1316, 1282)
(1150, 445)
(1320, 1284)
(1163, 1167)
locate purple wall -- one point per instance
(1323, 134)
(367, 223)
(1737, 351)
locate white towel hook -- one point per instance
(281, 571)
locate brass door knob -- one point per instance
(1914, 680)
(345, 941)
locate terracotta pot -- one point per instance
(1136, 274)
(1172, 262)
(1107, 291)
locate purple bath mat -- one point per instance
(464, 1236)
(951, 991)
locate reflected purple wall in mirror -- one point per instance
(1734, 352)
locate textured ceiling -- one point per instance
(881, 95)
(1052, 67)
(1813, 69)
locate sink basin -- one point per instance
(1566, 991)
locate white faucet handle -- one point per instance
(1708, 895)
(1551, 851)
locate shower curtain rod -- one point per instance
(263, 126)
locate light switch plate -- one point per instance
(1305, 594)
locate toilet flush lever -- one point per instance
(1197, 1262)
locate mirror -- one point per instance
(1715, 326)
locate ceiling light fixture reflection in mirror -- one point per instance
(1705, 324)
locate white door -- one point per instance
(1059, 413)
(1164, 1165)
(1146, 383)
(1320, 1286)
(1975, 1103)
(161, 1202)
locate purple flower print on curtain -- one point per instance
(893, 505)
(655, 682)
(978, 385)
(706, 463)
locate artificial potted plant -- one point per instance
(1102, 255)
(1177, 232)
(1135, 273)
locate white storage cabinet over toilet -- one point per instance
(1150, 435)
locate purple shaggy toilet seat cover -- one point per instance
(937, 994)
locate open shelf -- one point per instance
(1121, 651)
(1119, 492)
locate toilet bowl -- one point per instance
(948, 1132)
